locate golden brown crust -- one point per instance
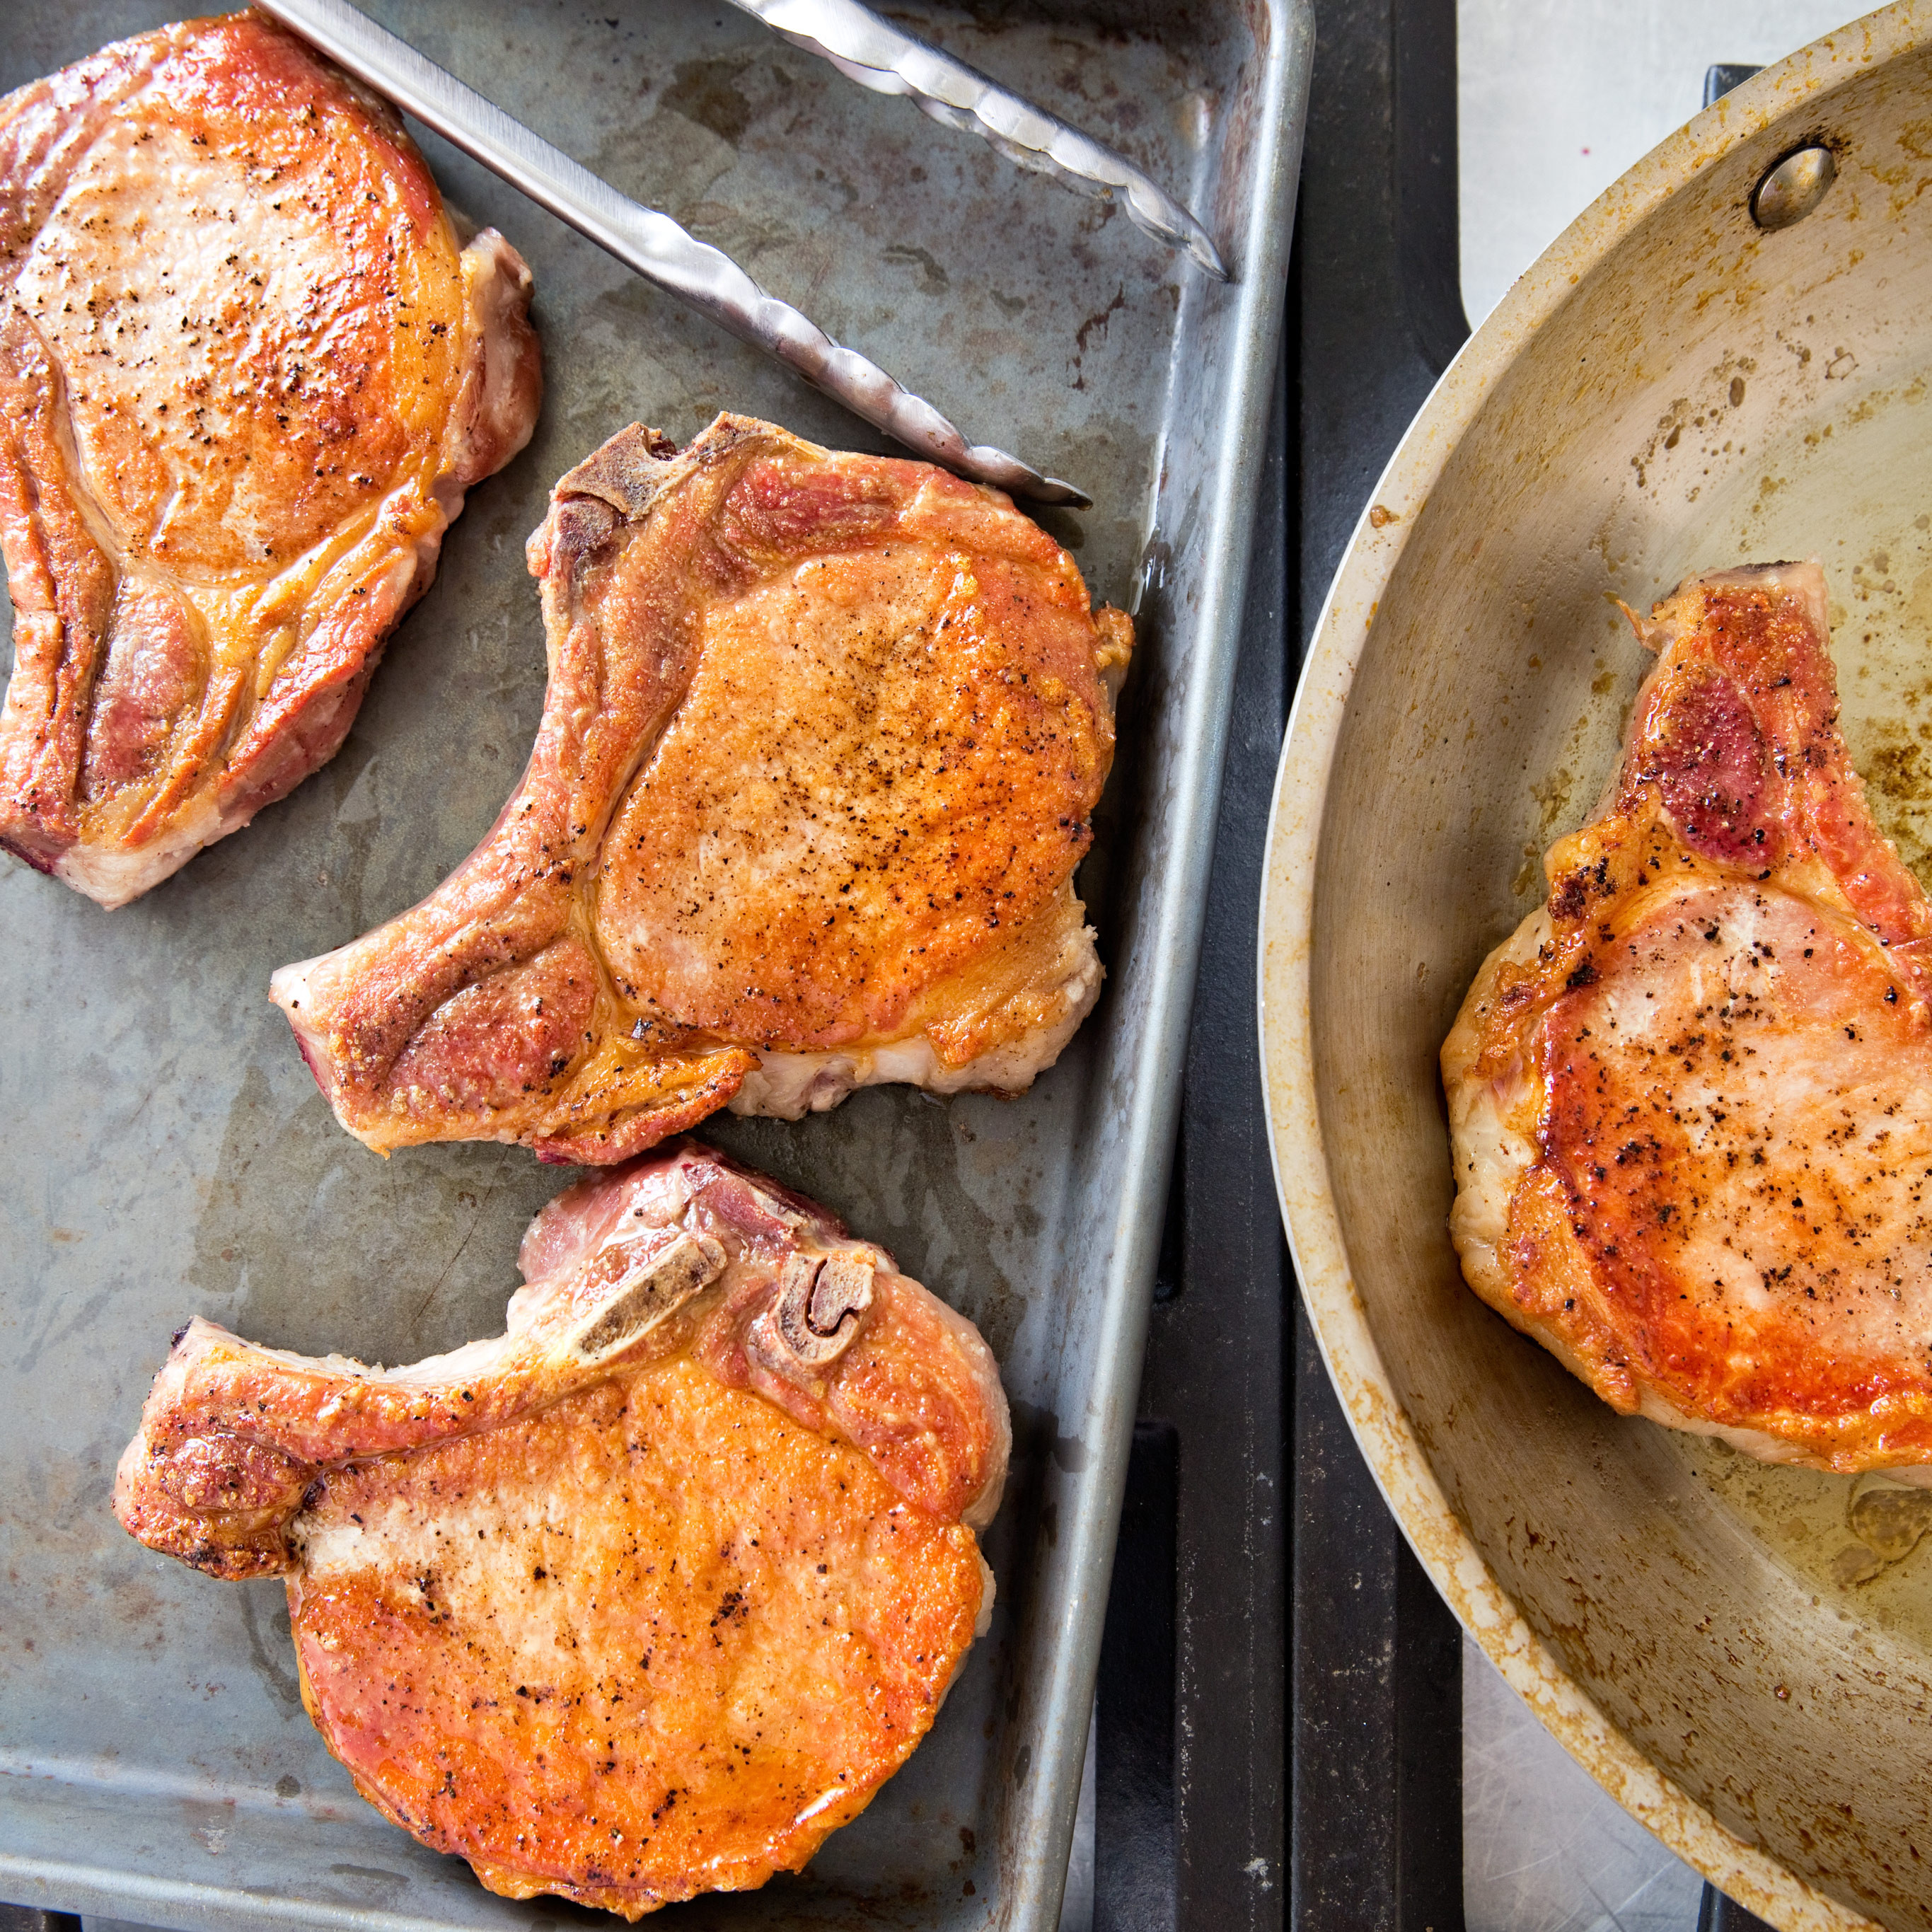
(822, 741)
(1692, 1155)
(788, 1627)
(254, 446)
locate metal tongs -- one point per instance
(664, 252)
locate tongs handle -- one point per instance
(877, 55)
(652, 244)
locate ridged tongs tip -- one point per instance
(877, 55)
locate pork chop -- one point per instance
(1691, 1098)
(823, 736)
(246, 374)
(646, 1596)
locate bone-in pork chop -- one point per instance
(1691, 1099)
(822, 739)
(246, 375)
(648, 1595)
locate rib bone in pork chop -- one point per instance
(821, 741)
(246, 375)
(648, 1595)
(1691, 1099)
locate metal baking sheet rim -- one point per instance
(51, 1870)
(1399, 1457)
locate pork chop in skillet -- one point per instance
(1691, 1098)
(823, 737)
(648, 1595)
(247, 372)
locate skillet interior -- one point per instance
(1670, 390)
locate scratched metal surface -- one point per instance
(167, 1153)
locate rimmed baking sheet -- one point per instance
(167, 1153)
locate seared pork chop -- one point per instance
(1691, 1098)
(246, 375)
(648, 1595)
(821, 741)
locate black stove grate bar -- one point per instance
(1212, 1447)
(1376, 313)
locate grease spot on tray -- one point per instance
(708, 92)
(265, 1616)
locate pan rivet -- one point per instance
(1792, 188)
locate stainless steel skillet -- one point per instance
(1672, 387)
